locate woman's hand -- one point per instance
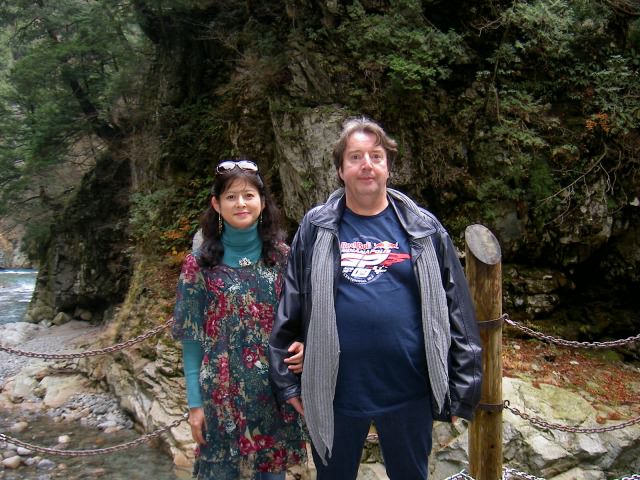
(296, 402)
(198, 425)
(296, 360)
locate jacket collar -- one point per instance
(329, 214)
(416, 221)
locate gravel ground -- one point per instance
(30, 337)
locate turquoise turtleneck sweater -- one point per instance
(241, 246)
(238, 245)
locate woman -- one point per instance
(224, 311)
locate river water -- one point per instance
(16, 288)
(141, 462)
(138, 463)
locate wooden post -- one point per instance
(483, 268)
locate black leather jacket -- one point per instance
(294, 310)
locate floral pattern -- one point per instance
(230, 311)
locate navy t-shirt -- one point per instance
(382, 356)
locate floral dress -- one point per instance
(230, 311)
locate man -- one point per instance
(375, 289)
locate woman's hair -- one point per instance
(269, 226)
(364, 125)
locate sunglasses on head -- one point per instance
(228, 165)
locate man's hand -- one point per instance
(296, 360)
(296, 402)
(198, 425)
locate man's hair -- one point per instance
(365, 125)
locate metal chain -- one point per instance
(555, 426)
(171, 321)
(96, 451)
(460, 476)
(508, 473)
(90, 353)
(569, 343)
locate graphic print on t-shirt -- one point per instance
(363, 261)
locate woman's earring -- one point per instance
(219, 224)
(260, 218)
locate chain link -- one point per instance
(569, 343)
(96, 451)
(508, 473)
(91, 353)
(460, 476)
(555, 426)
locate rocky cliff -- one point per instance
(546, 165)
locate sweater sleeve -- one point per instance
(192, 354)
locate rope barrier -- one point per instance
(96, 451)
(91, 353)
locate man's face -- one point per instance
(364, 169)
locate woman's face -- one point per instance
(240, 205)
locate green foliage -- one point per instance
(195, 138)
(398, 47)
(164, 221)
(514, 147)
(544, 29)
(36, 240)
(146, 214)
(308, 184)
(633, 38)
(70, 66)
(617, 93)
(547, 43)
(560, 97)
(541, 181)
